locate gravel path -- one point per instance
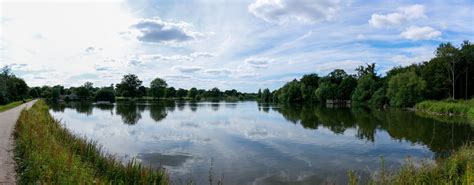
(7, 123)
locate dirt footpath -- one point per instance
(7, 123)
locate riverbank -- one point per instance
(463, 108)
(45, 152)
(456, 169)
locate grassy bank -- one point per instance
(447, 107)
(47, 153)
(456, 169)
(11, 105)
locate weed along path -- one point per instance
(7, 124)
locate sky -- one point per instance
(238, 44)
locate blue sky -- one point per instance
(245, 44)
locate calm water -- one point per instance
(248, 143)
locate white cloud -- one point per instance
(158, 31)
(218, 72)
(202, 54)
(404, 60)
(302, 11)
(420, 33)
(260, 62)
(402, 15)
(188, 69)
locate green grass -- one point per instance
(11, 105)
(456, 169)
(447, 107)
(47, 153)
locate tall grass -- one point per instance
(47, 153)
(447, 107)
(457, 169)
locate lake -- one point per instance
(251, 143)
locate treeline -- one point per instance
(450, 74)
(132, 87)
(12, 88)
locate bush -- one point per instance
(405, 89)
(105, 94)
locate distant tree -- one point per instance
(405, 89)
(171, 92)
(259, 94)
(309, 84)
(55, 94)
(266, 96)
(346, 88)
(105, 94)
(326, 91)
(369, 69)
(181, 93)
(366, 87)
(142, 91)
(158, 88)
(82, 92)
(379, 98)
(193, 93)
(129, 85)
(214, 92)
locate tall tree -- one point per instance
(129, 85)
(158, 88)
(450, 55)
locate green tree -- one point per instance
(193, 93)
(266, 96)
(326, 91)
(181, 93)
(366, 87)
(346, 88)
(158, 88)
(105, 94)
(171, 92)
(450, 55)
(309, 83)
(405, 89)
(129, 85)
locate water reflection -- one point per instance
(255, 143)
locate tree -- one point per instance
(326, 91)
(368, 70)
(55, 94)
(129, 85)
(105, 94)
(259, 93)
(82, 92)
(171, 92)
(366, 87)
(346, 88)
(309, 83)
(181, 93)
(467, 52)
(193, 93)
(450, 55)
(141, 91)
(158, 88)
(405, 89)
(266, 96)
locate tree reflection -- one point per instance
(129, 112)
(402, 125)
(158, 111)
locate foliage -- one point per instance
(193, 93)
(266, 96)
(326, 91)
(105, 94)
(12, 88)
(129, 85)
(47, 153)
(405, 89)
(366, 87)
(158, 88)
